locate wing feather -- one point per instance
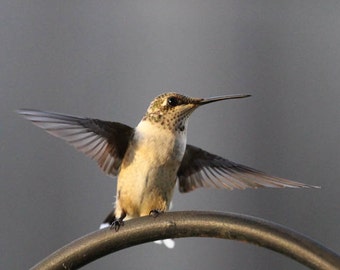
(202, 169)
(103, 141)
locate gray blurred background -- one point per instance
(108, 59)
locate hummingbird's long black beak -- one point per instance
(218, 98)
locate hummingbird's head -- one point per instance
(171, 110)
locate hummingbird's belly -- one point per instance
(147, 177)
(140, 190)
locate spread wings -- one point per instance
(202, 169)
(106, 142)
(103, 141)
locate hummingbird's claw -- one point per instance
(155, 213)
(116, 224)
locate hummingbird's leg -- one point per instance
(155, 213)
(117, 222)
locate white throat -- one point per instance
(166, 143)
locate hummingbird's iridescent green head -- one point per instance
(171, 110)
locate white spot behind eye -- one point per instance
(165, 102)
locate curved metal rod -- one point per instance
(192, 224)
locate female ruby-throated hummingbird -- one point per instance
(151, 157)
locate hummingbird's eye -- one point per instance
(173, 101)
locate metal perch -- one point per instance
(192, 224)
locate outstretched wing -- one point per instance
(202, 169)
(103, 141)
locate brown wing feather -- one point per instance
(103, 141)
(202, 169)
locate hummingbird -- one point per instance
(149, 159)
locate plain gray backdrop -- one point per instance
(108, 59)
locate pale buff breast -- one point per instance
(148, 171)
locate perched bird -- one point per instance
(151, 157)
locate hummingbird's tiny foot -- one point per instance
(116, 224)
(155, 213)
